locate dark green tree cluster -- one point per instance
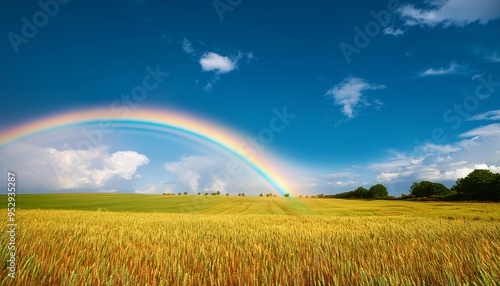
(480, 185)
(428, 189)
(377, 191)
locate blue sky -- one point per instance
(383, 91)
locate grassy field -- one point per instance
(197, 240)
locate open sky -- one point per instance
(387, 92)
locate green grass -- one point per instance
(257, 205)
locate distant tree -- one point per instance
(300, 196)
(360, 192)
(307, 197)
(239, 195)
(179, 194)
(242, 194)
(261, 195)
(227, 194)
(479, 185)
(199, 193)
(377, 191)
(428, 189)
(185, 193)
(287, 195)
(218, 193)
(206, 194)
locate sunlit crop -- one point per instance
(68, 247)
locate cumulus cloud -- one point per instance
(350, 94)
(194, 173)
(208, 174)
(387, 177)
(445, 163)
(453, 68)
(451, 13)
(217, 185)
(149, 189)
(219, 64)
(51, 169)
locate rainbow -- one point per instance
(148, 118)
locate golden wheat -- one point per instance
(60, 247)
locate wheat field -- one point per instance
(98, 247)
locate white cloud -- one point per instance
(208, 87)
(344, 183)
(493, 57)
(444, 163)
(487, 54)
(435, 148)
(50, 169)
(217, 185)
(193, 171)
(123, 164)
(387, 177)
(214, 62)
(148, 189)
(195, 174)
(453, 68)
(488, 130)
(489, 115)
(451, 13)
(349, 94)
(477, 76)
(108, 191)
(190, 178)
(393, 32)
(187, 46)
(340, 175)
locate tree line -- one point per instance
(377, 191)
(480, 185)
